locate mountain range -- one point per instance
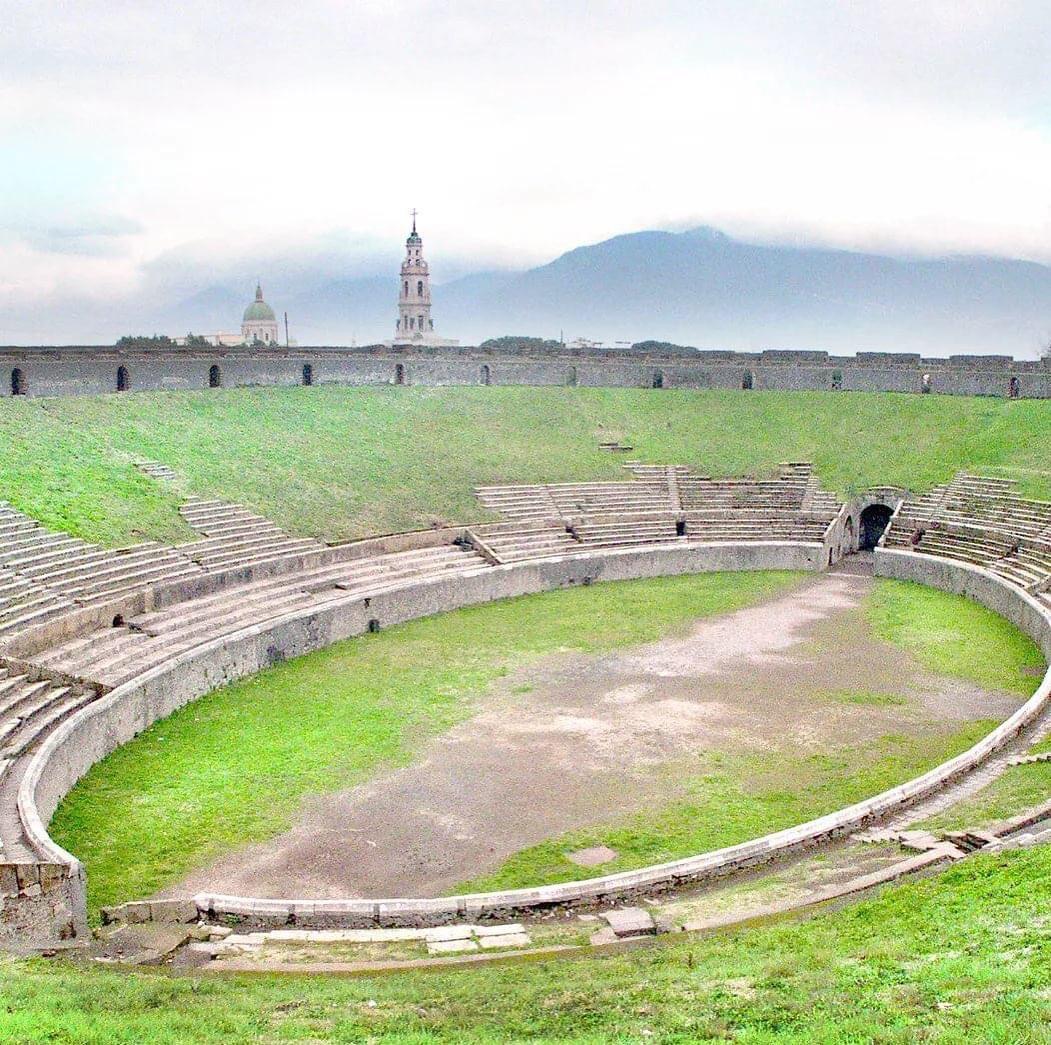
(699, 287)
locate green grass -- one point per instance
(956, 959)
(733, 799)
(1019, 788)
(737, 797)
(343, 462)
(862, 698)
(234, 766)
(955, 636)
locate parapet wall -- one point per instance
(92, 370)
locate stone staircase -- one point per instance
(235, 537)
(514, 541)
(155, 470)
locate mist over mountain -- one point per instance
(698, 287)
(703, 288)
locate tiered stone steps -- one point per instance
(995, 504)
(92, 574)
(512, 542)
(29, 709)
(754, 525)
(70, 569)
(627, 498)
(606, 534)
(983, 521)
(235, 537)
(24, 604)
(518, 502)
(155, 470)
(113, 655)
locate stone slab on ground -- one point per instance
(451, 946)
(144, 943)
(593, 856)
(344, 935)
(630, 921)
(449, 932)
(509, 929)
(492, 943)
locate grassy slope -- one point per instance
(959, 958)
(739, 797)
(234, 766)
(346, 462)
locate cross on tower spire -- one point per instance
(413, 213)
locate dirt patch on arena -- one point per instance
(575, 740)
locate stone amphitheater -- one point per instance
(96, 644)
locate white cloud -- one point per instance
(518, 130)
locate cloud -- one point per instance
(228, 135)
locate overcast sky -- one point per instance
(139, 136)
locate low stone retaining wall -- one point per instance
(91, 734)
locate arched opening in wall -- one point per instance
(658, 378)
(215, 378)
(484, 376)
(925, 384)
(123, 381)
(308, 374)
(874, 520)
(837, 380)
(747, 381)
(1014, 389)
(571, 377)
(18, 382)
(399, 374)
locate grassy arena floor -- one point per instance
(234, 766)
(344, 462)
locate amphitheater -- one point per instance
(98, 643)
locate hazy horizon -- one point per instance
(154, 153)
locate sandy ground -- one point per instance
(581, 739)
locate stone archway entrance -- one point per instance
(873, 522)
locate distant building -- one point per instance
(259, 322)
(220, 340)
(415, 325)
(258, 325)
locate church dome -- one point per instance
(259, 311)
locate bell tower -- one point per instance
(414, 295)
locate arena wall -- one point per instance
(101, 727)
(93, 370)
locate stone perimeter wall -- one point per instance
(93, 370)
(89, 736)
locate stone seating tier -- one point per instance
(29, 709)
(235, 537)
(110, 656)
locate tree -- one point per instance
(140, 341)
